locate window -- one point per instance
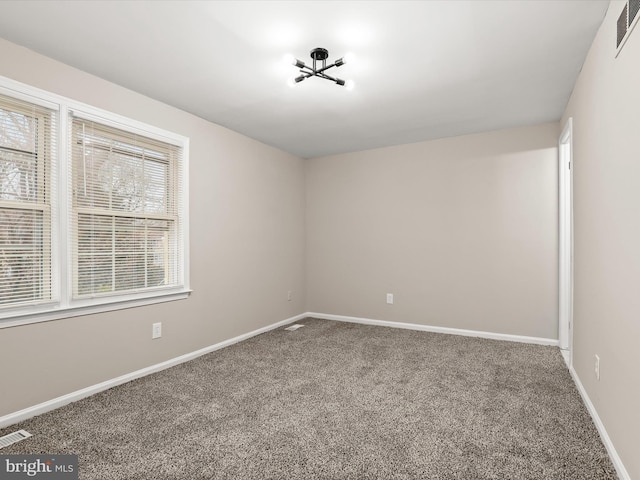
(93, 210)
(125, 211)
(27, 154)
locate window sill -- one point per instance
(46, 313)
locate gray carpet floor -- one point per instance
(336, 401)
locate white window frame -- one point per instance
(63, 306)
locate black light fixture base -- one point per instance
(319, 53)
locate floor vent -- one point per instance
(14, 438)
(294, 327)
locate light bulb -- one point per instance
(349, 57)
(290, 59)
(291, 82)
(349, 84)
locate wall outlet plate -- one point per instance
(156, 330)
(390, 298)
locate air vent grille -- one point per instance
(634, 7)
(294, 327)
(14, 438)
(626, 22)
(622, 26)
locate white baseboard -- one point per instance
(613, 454)
(58, 402)
(430, 328)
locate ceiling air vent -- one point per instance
(634, 7)
(622, 25)
(626, 21)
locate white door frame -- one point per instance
(565, 240)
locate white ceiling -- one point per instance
(423, 69)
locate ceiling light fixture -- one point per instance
(319, 56)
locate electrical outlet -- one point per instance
(156, 330)
(390, 298)
(289, 296)
(597, 367)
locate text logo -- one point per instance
(50, 467)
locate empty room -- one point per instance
(319, 239)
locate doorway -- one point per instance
(565, 239)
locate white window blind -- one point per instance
(125, 211)
(27, 193)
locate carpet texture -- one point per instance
(336, 401)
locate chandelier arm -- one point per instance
(308, 70)
(326, 68)
(327, 77)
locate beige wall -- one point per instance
(247, 251)
(605, 106)
(463, 232)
